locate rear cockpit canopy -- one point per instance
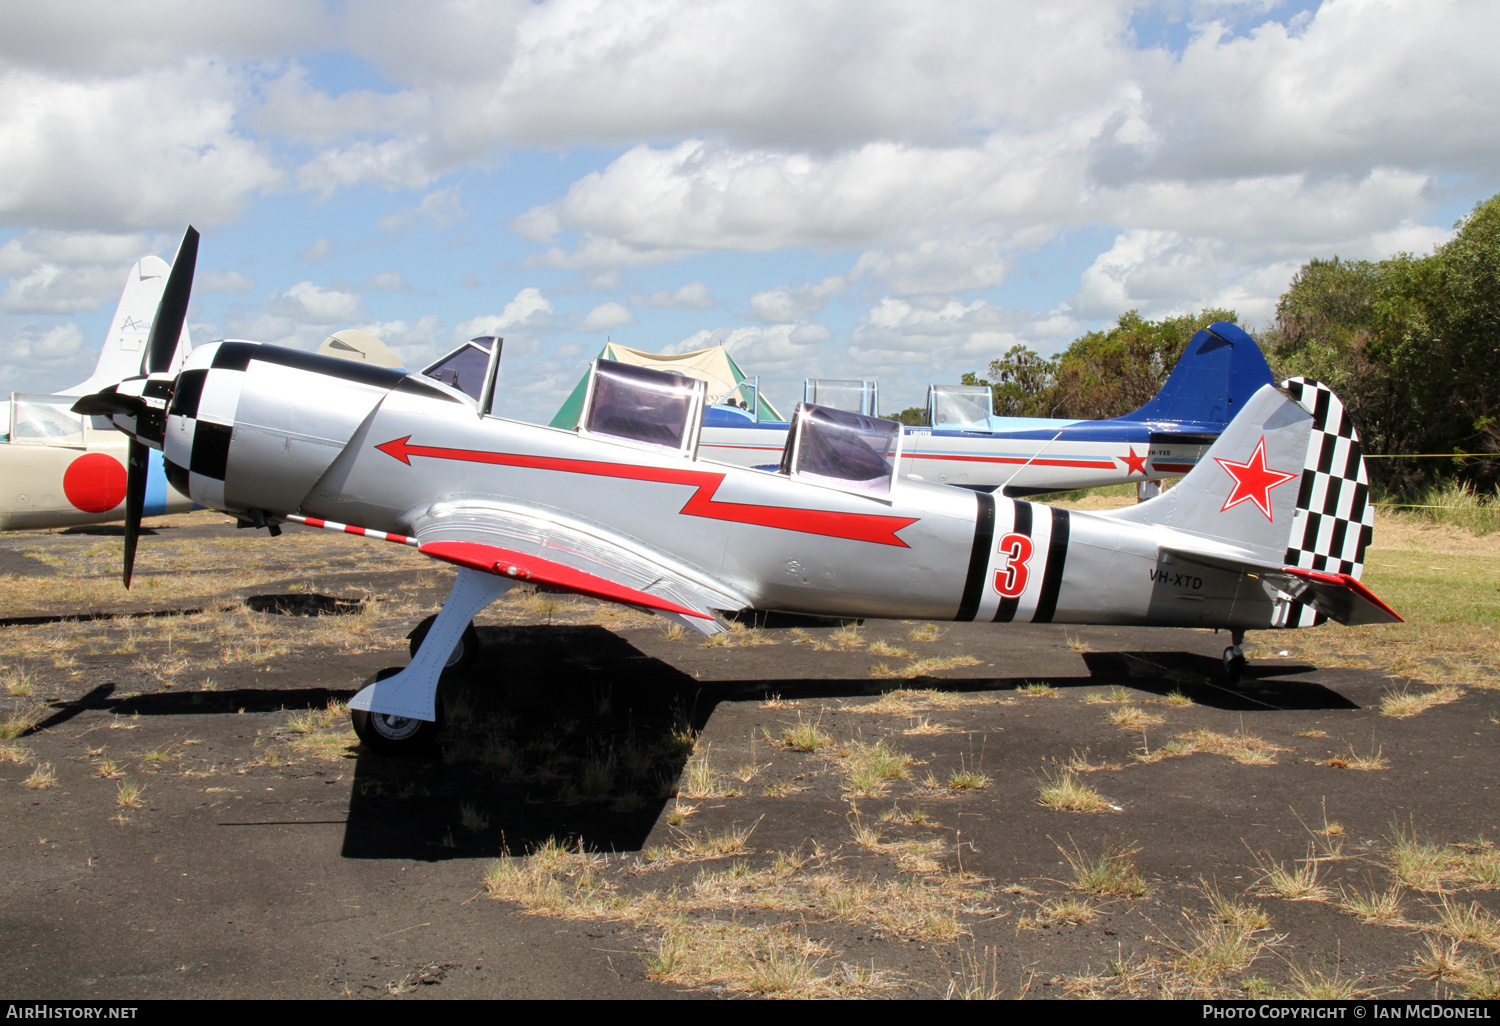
(842, 450)
(852, 395)
(659, 409)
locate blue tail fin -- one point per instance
(1219, 371)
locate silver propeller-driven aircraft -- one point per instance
(1269, 530)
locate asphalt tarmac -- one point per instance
(260, 855)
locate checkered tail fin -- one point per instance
(1335, 520)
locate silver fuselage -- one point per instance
(324, 440)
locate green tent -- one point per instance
(714, 366)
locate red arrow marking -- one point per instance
(867, 527)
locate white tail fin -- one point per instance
(121, 356)
(1285, 484)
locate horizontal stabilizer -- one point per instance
(1338, 596)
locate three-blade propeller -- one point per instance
(148, 414)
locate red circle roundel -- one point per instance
(95, 482)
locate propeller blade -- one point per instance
(106, 403)
(166, 326)
(135, 500)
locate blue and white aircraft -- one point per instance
(966, 445)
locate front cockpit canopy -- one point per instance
(843, 450)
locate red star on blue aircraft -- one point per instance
(1133, 464)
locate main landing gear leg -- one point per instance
(398, 714)
(1234, 657)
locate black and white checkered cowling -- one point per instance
(200, 424)
(1335, 520)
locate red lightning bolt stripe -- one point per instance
(867, 527)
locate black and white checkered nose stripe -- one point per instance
(200, 426)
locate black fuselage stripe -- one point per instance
(1057, 556)
(1007, 611)
(979, 556)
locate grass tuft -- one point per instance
(1403, 704)
(1067, 793)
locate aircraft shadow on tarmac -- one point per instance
(572, 732)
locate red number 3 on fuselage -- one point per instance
(1010, 580)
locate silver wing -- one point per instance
(552, 548)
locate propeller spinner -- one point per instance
(138, 406)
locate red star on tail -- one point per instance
(1253, 480)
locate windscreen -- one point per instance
(846, 450)
(842, 394)
(961, 407)
(641, 404)
(463, 369)
(46, 420)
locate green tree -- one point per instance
(1411, 344)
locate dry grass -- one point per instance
(1381, 908)
(1133, 718)
(922, 667)
(885, 648)
(1037, 689)
(128, 794)
(1374, 761)
(1402, 704)
(740, 636)
(1114, 696)
(1297, 882)
(1425, 865)
(1245, 749)
(926, 632)
(1110, 874)
(803, 736)
(1067, 793)
(869, 768)
(42, 776)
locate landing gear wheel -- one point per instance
(396, 735)
(464, 654)
(1234, 664)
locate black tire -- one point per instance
(1234, 666)
(396, 735)
(464, 655)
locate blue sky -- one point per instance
(875, 189)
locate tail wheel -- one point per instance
(1234, 663)
(464, 654)
(396, 735)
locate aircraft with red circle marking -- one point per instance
(1269, 531)
(63, 469)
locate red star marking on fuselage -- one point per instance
(1133, 464)
(1253, 480)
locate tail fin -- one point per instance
(1283, 485)
(1282, 496)
(1220, 369)
(126, 342)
